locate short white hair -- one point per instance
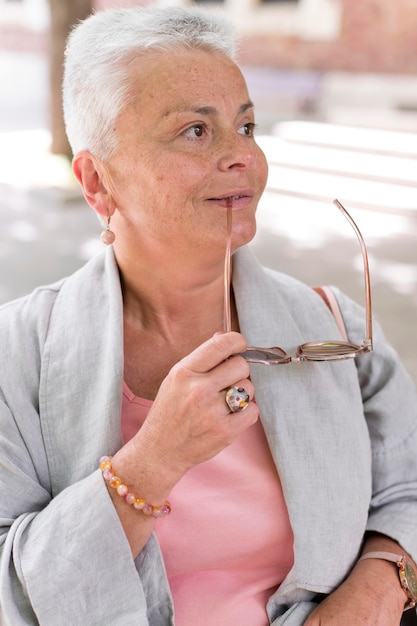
(97, 81)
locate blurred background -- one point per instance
(335, 88)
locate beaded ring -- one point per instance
(123, 490)
(237, 399)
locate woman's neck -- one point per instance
(170, 302)
(167, 314)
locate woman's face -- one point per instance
(185, 146)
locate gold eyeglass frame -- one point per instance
(332, 350)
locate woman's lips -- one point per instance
(237, 201)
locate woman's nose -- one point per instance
(238, 151)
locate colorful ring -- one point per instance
(237, 399)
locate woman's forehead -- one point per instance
(186, 79)
(184, 64)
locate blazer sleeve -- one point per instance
(64, 557)
(63, 560)
(390, 407)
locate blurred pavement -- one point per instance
(48, 231)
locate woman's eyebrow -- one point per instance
(207, 110)
(245, 107)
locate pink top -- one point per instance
(228, 542)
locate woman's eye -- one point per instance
(247, 129)
(195, 131)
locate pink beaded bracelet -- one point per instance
(123, 490)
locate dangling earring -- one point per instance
(107, 236)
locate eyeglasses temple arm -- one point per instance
(228, 271)
(368, 316)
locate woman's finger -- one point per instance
(213, 352)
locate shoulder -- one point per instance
(276, 294)
(29, 316)
(30, 311)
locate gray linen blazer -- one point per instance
(343, 436)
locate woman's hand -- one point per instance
(370, 596)
(190, 421)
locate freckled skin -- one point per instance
(166, 169)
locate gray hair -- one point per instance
(97, 83)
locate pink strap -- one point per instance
(385, 556)
(330, 299)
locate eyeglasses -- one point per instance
(311, 351)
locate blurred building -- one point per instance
(341, 35)
(329, 35)
(336, 35)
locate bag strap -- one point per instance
(330, 300)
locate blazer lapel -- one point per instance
(306, 410)
(81, 378)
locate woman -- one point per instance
(218, 515)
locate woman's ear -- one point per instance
(90, 176)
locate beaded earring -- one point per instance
(107, 236)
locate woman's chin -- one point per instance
(244, 234)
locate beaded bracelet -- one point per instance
(123, 490)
